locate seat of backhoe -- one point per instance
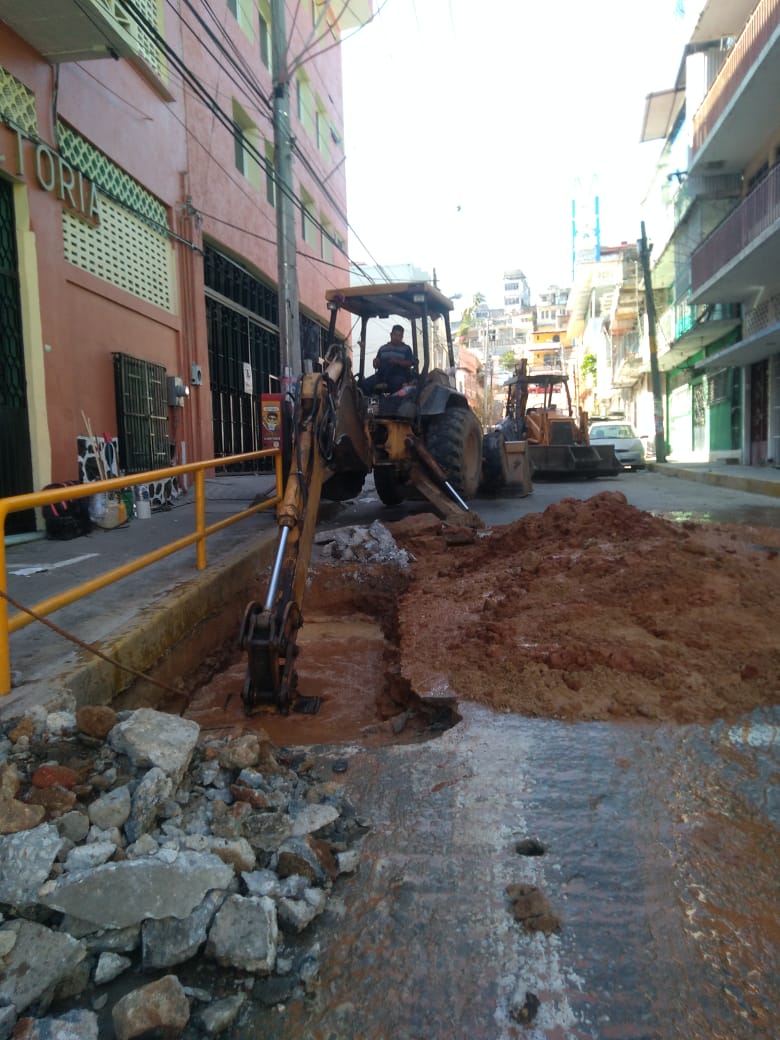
(562, 430)
(534, 427)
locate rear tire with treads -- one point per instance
(454, 439)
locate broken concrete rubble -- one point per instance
(171, 853)
(373, 544)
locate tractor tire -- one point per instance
(390, 490)
(454, 438)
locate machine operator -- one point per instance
(394, 362)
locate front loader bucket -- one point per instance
(506, 465)
(609, 466)
(571, 460)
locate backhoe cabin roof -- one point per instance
(393, 298)
(541, 378)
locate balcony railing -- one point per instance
(89, 30)
(743, 56)
(758, 212)
(688, 316)
(625, 348)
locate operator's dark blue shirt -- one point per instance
(393, 375)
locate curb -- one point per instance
(735, 481)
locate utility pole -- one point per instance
(655, 375)
(485, 390)
(287, 270)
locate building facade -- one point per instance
(138, 261)
(714, 217)
(607, 332)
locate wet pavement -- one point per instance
(661, 863)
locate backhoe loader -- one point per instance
(428, 421)
(558, 440)
(424, 440)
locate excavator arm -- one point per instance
(330, 443)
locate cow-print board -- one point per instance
(107, 453)
(161, 492)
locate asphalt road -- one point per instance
(645, 489)
(660, 861)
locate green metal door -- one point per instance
(15, 453)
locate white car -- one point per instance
(622, 436)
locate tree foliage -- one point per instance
(588, 366)
(469, 316)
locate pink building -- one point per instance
(138, 263)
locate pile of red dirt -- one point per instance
(594, 610)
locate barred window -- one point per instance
(718, 386)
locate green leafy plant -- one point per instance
(588, 367)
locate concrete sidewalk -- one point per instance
(757, 480)
(138, 620)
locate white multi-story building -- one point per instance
(714, 218)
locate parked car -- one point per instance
(622, 436)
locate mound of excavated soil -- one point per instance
(595, 610)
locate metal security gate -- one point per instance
(142, 414)
(759, 412)
(243, 361)
(243, 339)
(15, 452)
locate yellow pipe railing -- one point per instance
(18, 503)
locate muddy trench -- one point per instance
(349, 659)
(590, 611)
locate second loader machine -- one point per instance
(558, 440)
(423, 441)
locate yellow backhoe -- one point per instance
(422, 441)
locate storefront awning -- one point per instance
(748, 351)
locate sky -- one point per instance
(468, 125)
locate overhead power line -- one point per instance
(190, 78)
(192, 81)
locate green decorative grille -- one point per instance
(130, 246)
(17, 104)
(108, 177)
